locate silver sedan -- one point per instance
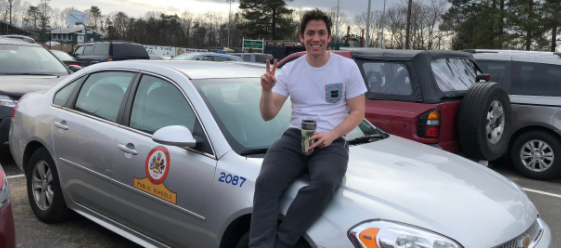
(166, 153)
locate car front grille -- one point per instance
(534, 232)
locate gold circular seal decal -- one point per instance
(157, 165)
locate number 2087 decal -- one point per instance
(231, 179)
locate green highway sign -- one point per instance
(258, 44)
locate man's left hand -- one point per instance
(322, 139)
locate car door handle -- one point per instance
(61, 125)
(127, 149)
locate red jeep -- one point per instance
(432, 97)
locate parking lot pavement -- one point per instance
(81, 232)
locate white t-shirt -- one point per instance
(320, 94)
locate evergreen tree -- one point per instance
(267, 19)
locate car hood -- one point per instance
(400, 180)
(14, 85)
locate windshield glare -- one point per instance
(16, 59)
(234, 103)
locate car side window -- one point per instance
(88, 50)
(220, 58)
(387, 78)
(158, 103)
(536, 79)
(206, 58)
(101, 49)
(246, 58)
(453, 74)
(102, 94)
(495, 69)
(79, 51)
(62, 95)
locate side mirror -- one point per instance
(74, 68)
(176, 135)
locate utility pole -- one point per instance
(383, 25)
(337, 23)
(229, 20)
(45, 13)
(10, 3)
(367, 43)
(408, 31)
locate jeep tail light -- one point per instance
(429, 124)
(110, 59)
(76, 64)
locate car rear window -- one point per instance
(387, 78)
(453, 74)
(129, 50)
(261, 58)
(536, 79)
(495, 69)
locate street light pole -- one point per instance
(383, 25)
(367, 43)
(337, 24)
(229, 20)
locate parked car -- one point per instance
(218, 57)
(255, 57)
(533, 81)
(24, 67)
(65, 58)
(93, 53)
(171, 161)
(432, 97)
(7, 230)
(158, 57)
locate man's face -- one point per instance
(316, 37)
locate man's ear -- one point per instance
(301, 38)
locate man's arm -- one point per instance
(270, 104)
(355, 117)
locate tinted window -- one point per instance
(16, 59)
(88, 50)
(453, 74)
(158, 104)
(205, 58)
(129, 50)
(101, 49)
(79, 51)
(387, 78)
(62, 95)
(261, 58)
(220, 58)
(495, 69)
(246, 58)
(536, 79)
(102, 93)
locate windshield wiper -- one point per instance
(28, 74)
(254, 151)
(366, 139)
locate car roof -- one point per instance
(16, 41)
(195, 69)
(373, 53)
(521, 57)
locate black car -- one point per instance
(65, 58)
(93, 53)
(24, 67)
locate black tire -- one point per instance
(475, 140)
(549, 167)
(52, 210)
(243, 242)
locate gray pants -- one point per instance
(284, 163)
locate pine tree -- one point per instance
(266, 19)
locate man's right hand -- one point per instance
(268, 79)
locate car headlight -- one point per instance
(388, 234)
(7, 101)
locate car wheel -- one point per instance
(43, 188)
(484, 121)
(537, 155)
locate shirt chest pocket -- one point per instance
(333, 92)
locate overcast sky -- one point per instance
(138, 8)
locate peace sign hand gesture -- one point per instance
(268, 79)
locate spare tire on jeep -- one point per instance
(484, 121)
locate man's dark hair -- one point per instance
(317, 15)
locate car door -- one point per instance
(84, 137)
(160, 190)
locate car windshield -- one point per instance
(29, 60)
(187, 56)
(234, 104)
(62, 55)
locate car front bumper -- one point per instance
(545, 240)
